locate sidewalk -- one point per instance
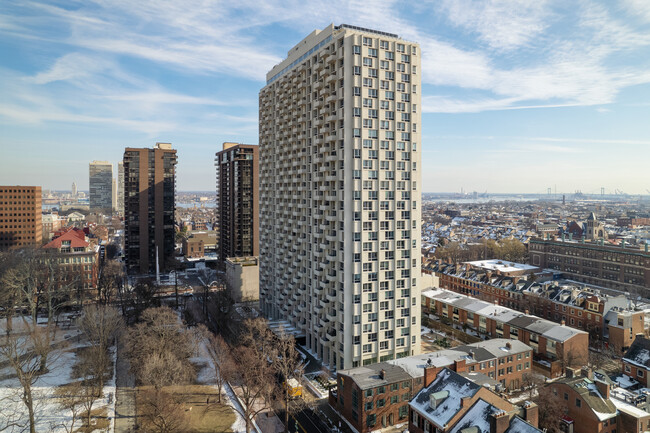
(124, 395)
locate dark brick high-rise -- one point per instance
(237, 200)
(149, 205)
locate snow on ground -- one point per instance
(206, 377)
(50, 417)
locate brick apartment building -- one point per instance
(612, 319)
(618, 267)
(149, 206)
(554, 345)
(453, 403)
(636, 361)
(377, 395)
(77, 256)
(589, 408)
(21, 221)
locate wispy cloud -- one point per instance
(502, 25)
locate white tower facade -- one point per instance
(340, 195)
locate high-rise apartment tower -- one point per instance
(340, 194)
(120, 188)
(237, 200)
(100, 182)
(21, 218)
(149, 205)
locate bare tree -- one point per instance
(111, 276)
(551, 409)
(531, 382)
(220, 306)
(26, 355)
(288, 365)
(163, 411)
(219, 353)
(69, 398)
(258, 336)
(165, 369)
(255, 382)
(101, 325)
(160, 337)
(10, 293)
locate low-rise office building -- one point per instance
(243, 278)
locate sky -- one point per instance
(518, 96)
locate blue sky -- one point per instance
(518, 95)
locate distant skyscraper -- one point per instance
(114, 196)
(120, 188)
(149, 204)
(237, 200)
(340, 194)
(101, 186)
(21, 221)
(74, 189)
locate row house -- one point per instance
(377, 395)
(636, 361)
(453, 403)
(554, 345)
(611, 319)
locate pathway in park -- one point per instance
(124, 395)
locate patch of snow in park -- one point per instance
(206, 377)
(49, 416)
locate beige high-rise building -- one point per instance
(340, 195)
(120, 188)
(100, 185)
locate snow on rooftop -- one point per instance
(501, 265)
(458, 388)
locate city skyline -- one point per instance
(507, 90)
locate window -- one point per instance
(371, 420)
(578, 402)
(356, 49)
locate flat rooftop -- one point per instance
(501, 265)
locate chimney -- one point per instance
(382, 373)
(460, 365)
(526, 312)
(430, 374)
(563, 322)
(465, 401)
(585, 371)
(499, 422)
(603, 388)
(570, 373)
(509, 345)
(531, 413)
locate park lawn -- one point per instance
(199, 416)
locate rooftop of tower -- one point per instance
(312, 43)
